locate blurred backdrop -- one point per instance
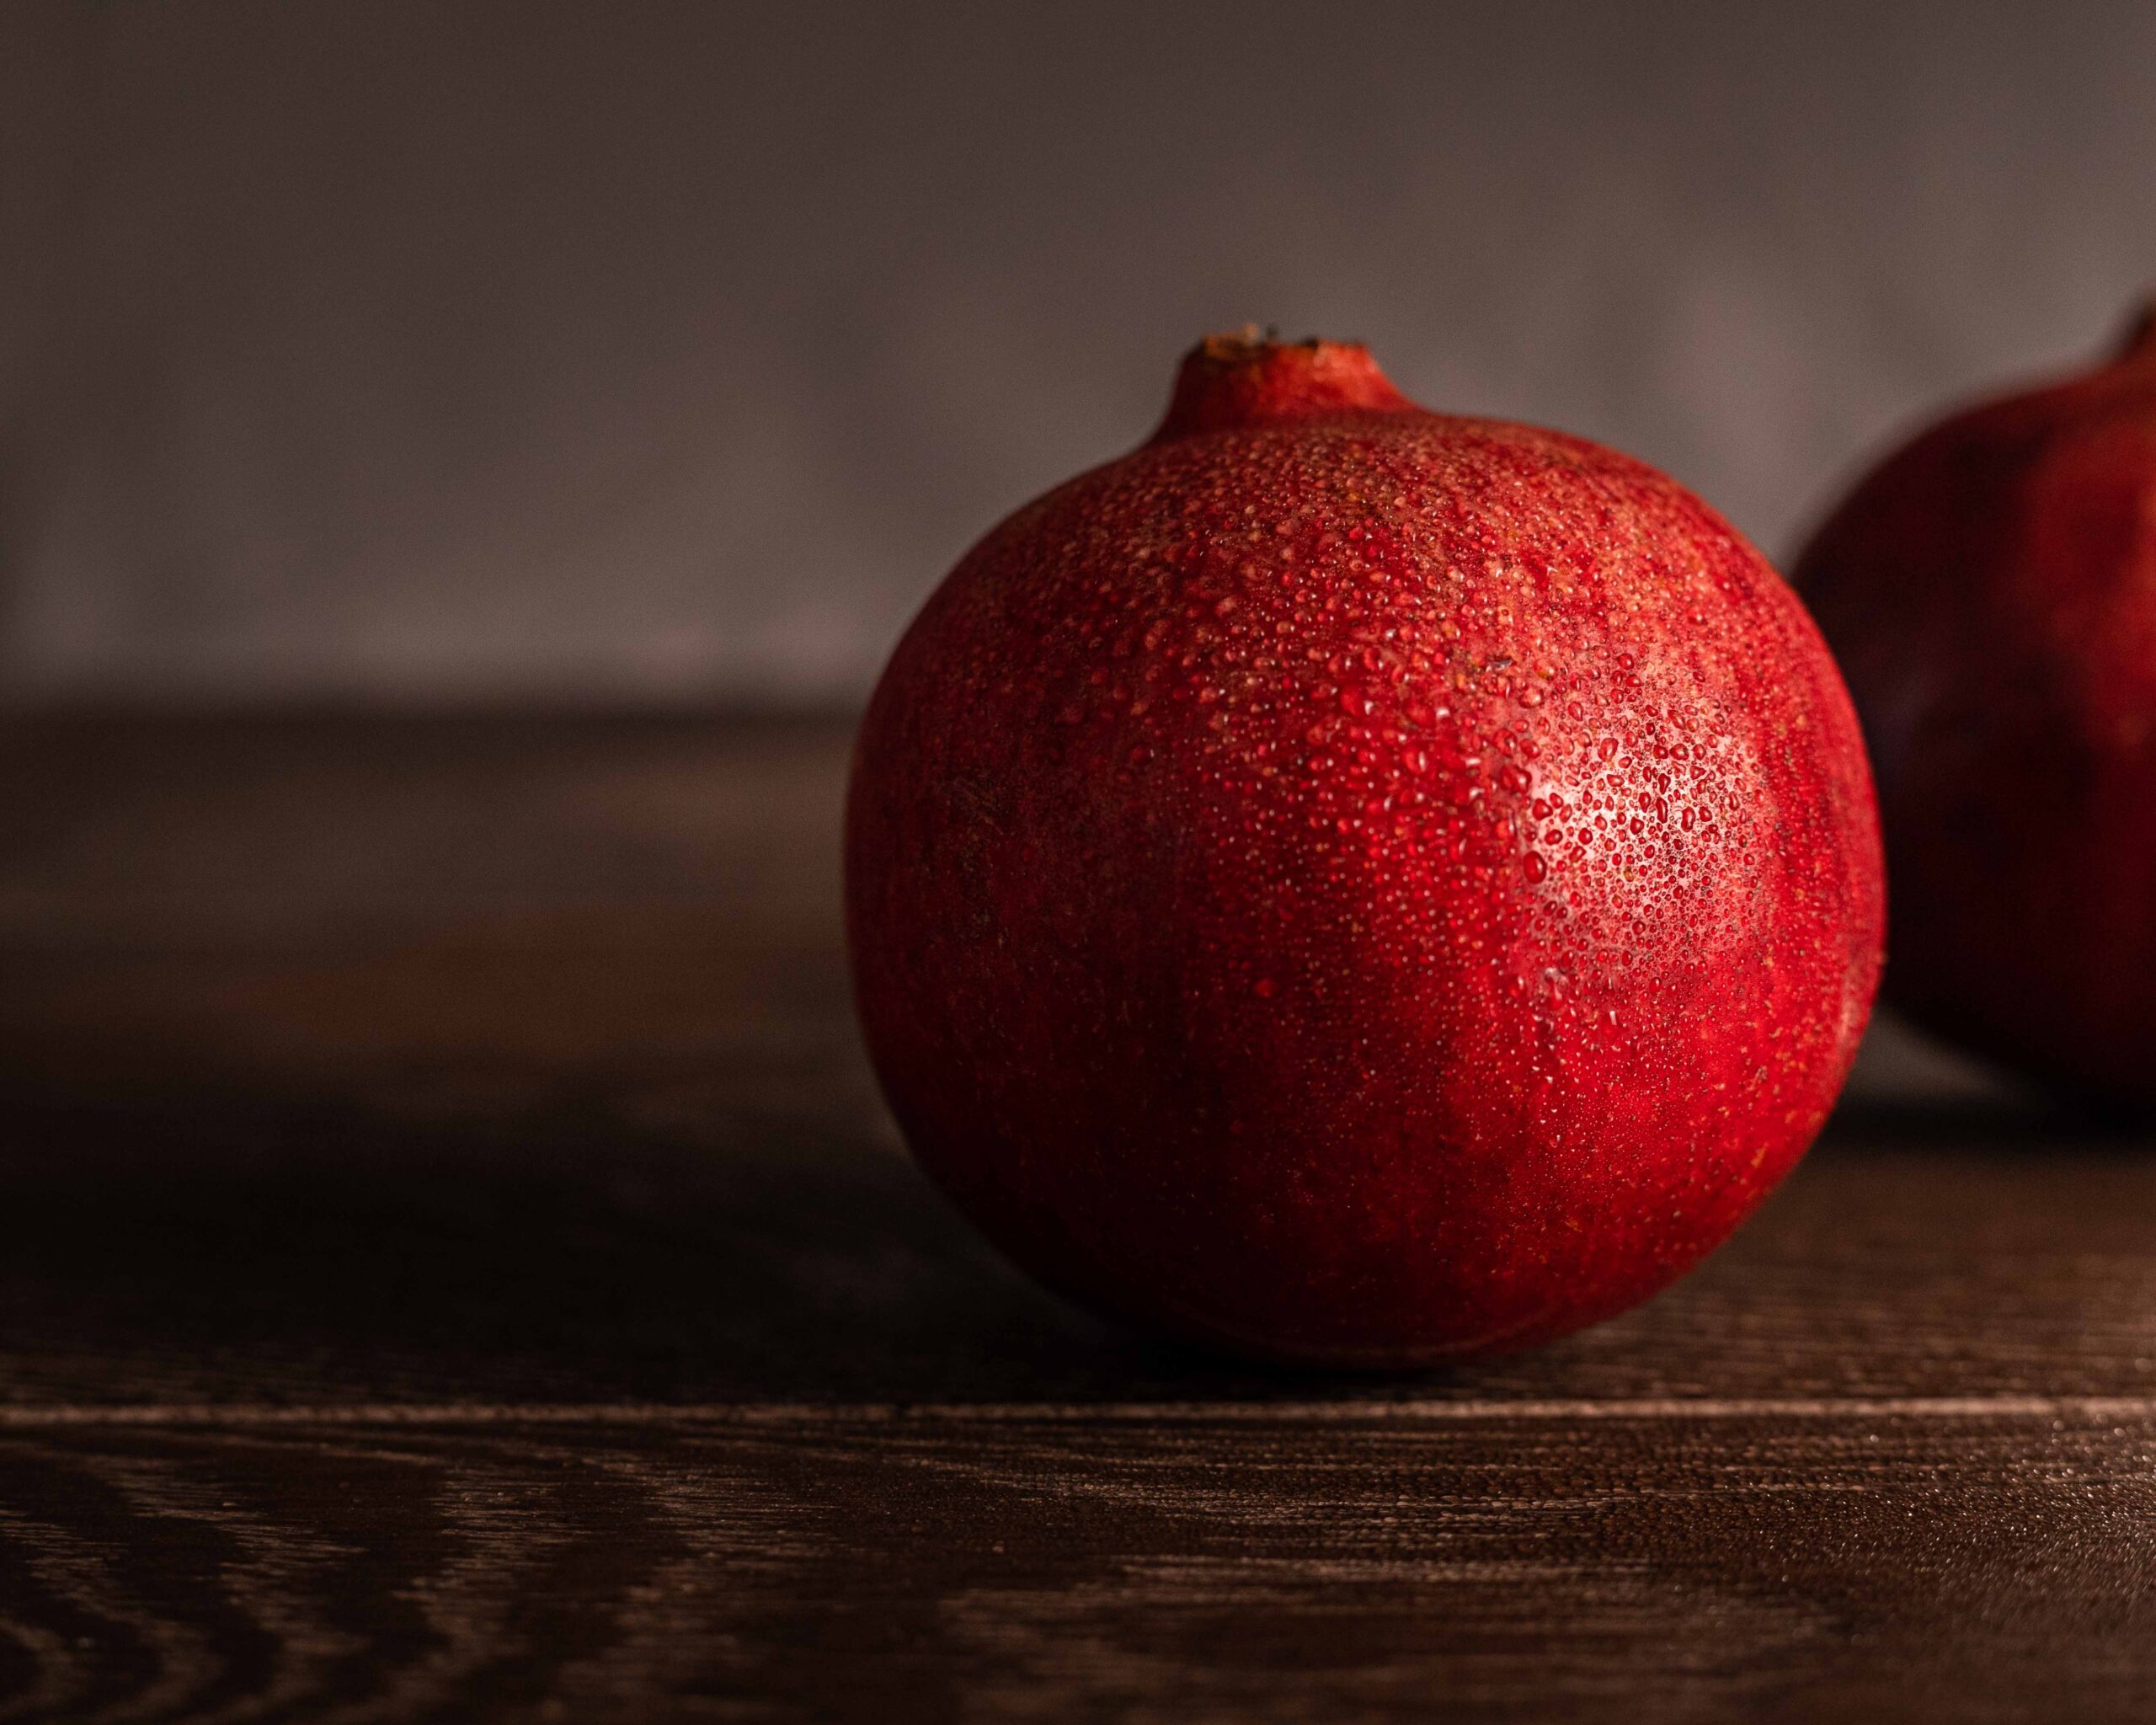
(417, 352)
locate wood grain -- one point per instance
(1085, 1566)
(454, 1265)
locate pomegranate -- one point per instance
(1991, 590)
(1357, 886)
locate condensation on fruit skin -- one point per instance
(1455, 719)
(1430, 800)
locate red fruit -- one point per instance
(1991, 590)
(1354, 885)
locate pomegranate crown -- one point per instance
(1247, 378)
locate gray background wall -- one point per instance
(416, 350)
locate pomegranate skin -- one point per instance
(1991, 591)
(1356, 886)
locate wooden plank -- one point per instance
(350, 1060)
(667, 1247)
(455, 1264)
(1080, 1567)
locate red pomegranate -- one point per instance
(1357, 886)
(1991, 591)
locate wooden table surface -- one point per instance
(454, 1265)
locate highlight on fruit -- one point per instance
(1359, 886)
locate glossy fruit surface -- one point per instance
(1359, 886)
(1991, 591)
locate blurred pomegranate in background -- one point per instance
(1354, 885)
(1990, 589)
